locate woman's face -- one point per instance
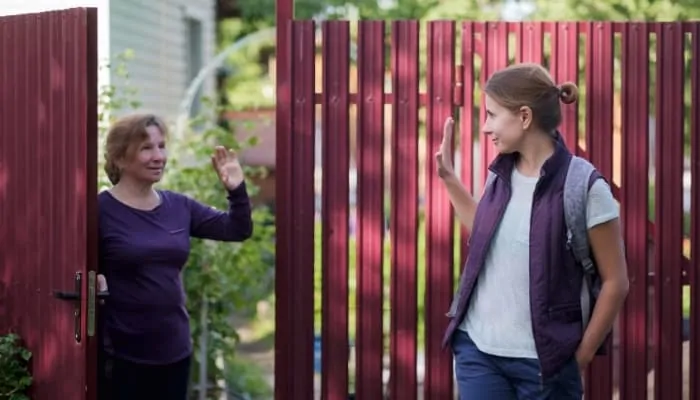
(503, 127)
(148, 162)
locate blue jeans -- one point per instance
(484, 376)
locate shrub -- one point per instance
(15, 377)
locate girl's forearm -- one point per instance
(462, 201)
(612, 297)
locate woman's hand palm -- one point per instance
(228, 167)
(443, 158)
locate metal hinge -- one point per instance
(458, 94)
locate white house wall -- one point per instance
(157, 32)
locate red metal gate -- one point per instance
(615, 65)
(48, 178)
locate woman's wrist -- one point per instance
(450, 179)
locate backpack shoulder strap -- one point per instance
(579, 178)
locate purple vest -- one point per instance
(555, 277)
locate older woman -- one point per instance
(144, 244)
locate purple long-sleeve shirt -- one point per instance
(142, 254)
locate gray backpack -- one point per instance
(579, 178)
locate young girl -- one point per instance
(516, 330)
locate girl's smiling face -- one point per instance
(505, 128)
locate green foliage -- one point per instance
(245, 381)
(117, 97)
(15, 377)
(258, 11)
(229, 277)
(249, 83)
(113, 99)
(619, 10)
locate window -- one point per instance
(194, 60)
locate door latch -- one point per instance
(75, 297)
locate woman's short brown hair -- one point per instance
(530, 85)
(124, 137)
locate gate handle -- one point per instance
(66, 295)
(74, 296)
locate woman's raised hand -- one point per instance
(462, 201)
(443, 158)
(226, 165)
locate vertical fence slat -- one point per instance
(635, 205)
(599, 144)
(563, 65)
(494, 57)
(529, 42)
(404, 209)
(370, 209)
(695, 210)
(303, 144)
(284, 371)
(467, 124)
(669, 211)
(599, 96)
(89, 73)
(59, 112)
(439, 217)
(336, 159)
(299, 313)
(481, 46)
(46, 82)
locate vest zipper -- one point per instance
(542, 174)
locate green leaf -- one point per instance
(14, 368)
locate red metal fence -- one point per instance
(621, 109)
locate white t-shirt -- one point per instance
(498, 319)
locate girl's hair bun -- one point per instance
(568, 92)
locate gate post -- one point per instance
(284, 12)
